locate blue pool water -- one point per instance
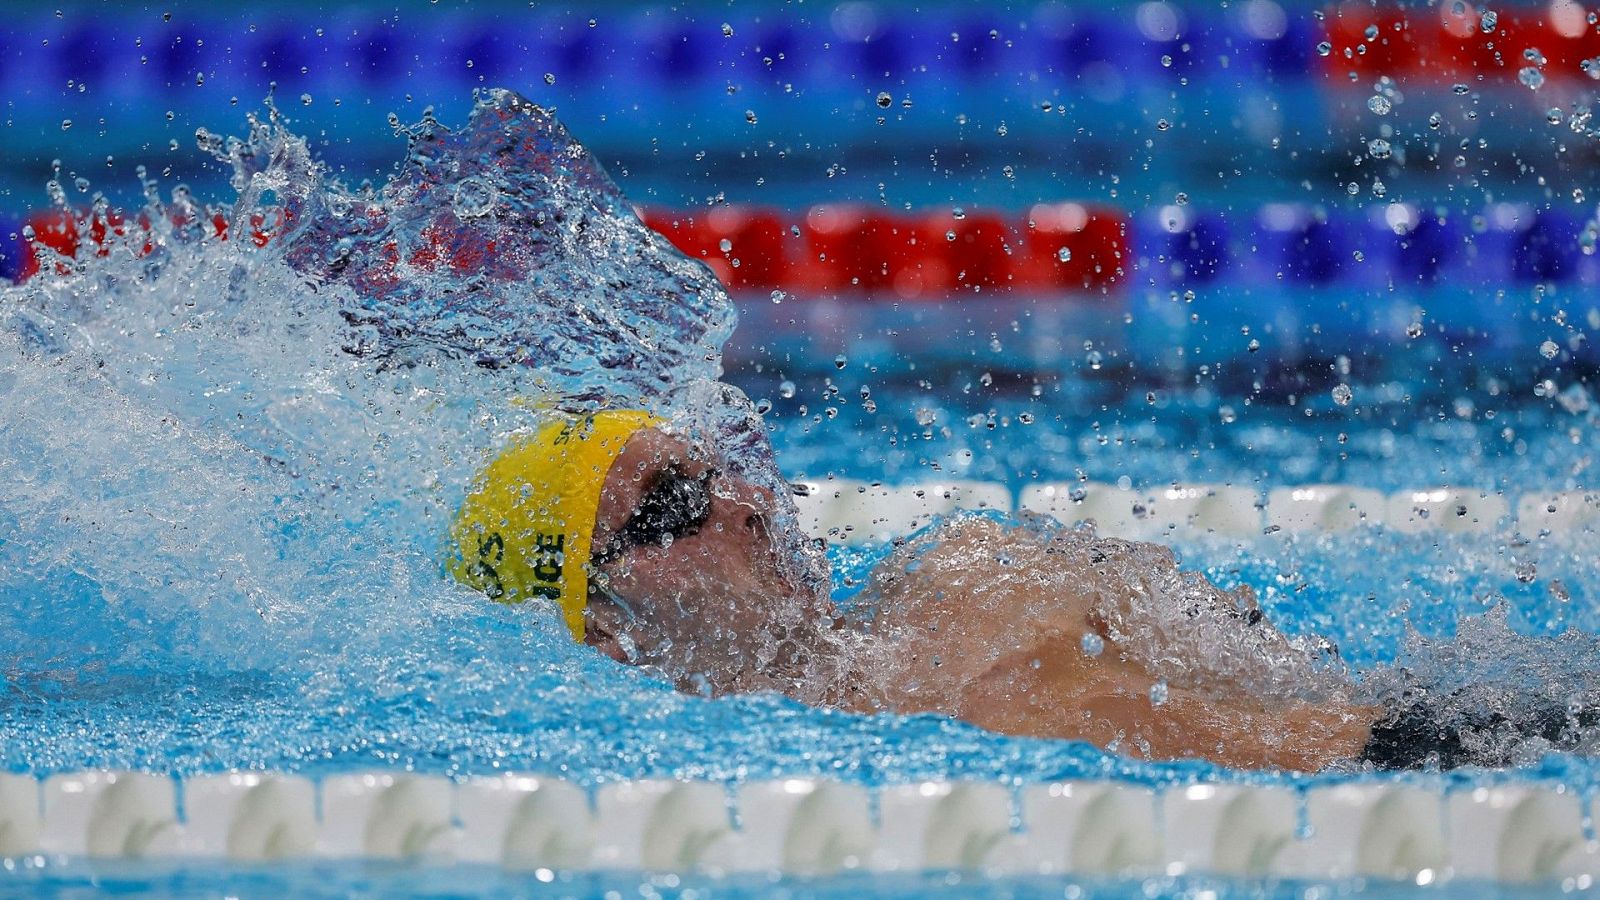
(339, 880)
(220, 528)
(262, 590)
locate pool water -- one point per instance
(339, 880)
(219, 537)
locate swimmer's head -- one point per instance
(526, 527)
(701, 572)
(665, 557)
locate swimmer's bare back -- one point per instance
(988, 623)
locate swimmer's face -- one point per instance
(695, 578)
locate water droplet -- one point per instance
(725, 245)
(1227, 415)
(1324, 48)
(884, 100)
(1549, 349)
(1162, 124)
(305, 99)
(1414, 330)
(475, 197)
(66, 124)
(1094, 359)
(1371, 32)
(779, 296)
(763, 406)
(1182, 199)
(1460, 88)
(1554, 116)
(1064, 254)
(1489, 20)
(1092, 644)
(727, 30)
(1158, 693)
(1166, 60)
(1253, 346)
(949, 235)
(549, 78)
(786, 390)
(1531, 76)
(840, 361)
(1378, 148)
(750, 116)
(1025, 418)
(1435, 120)
(1379, 104)
(1342, 394)
(1526, 571)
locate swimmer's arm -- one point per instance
(1047, 690)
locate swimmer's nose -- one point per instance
(743, 507)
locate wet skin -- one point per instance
(999, 647)
(716, 608)
(1005, 651)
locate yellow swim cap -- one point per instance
(524, 529)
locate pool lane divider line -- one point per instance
(1066, 251)
(853, 511)
(1417, 830)
(1015, 52)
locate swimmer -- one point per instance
(657, 556)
